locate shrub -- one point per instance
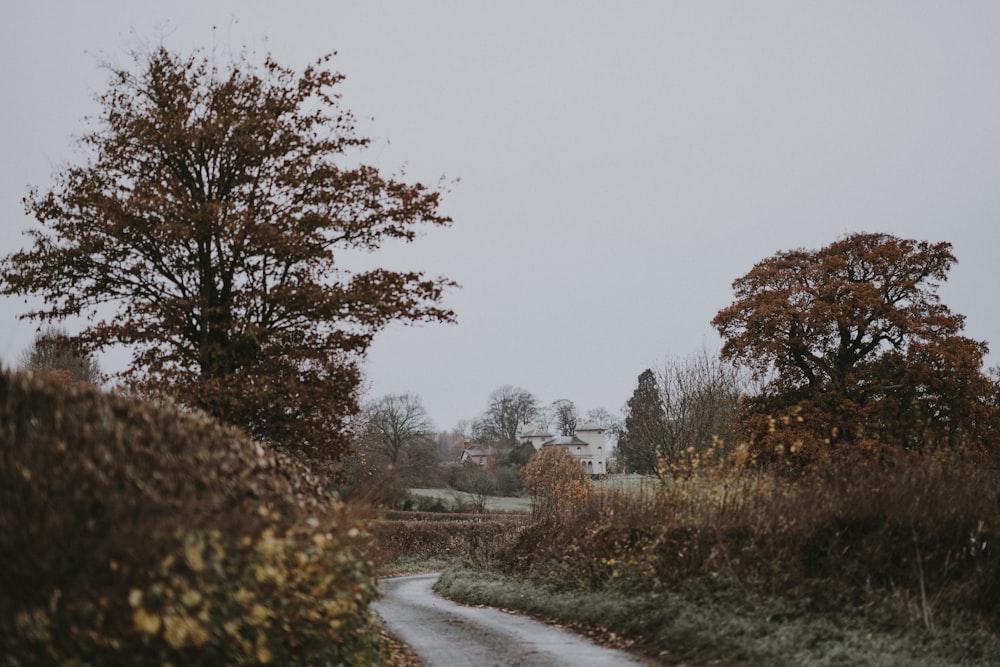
(922, 530)
(133, 532)
(556, 481)
(472, 538)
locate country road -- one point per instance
(445, 634)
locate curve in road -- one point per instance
(445, 634)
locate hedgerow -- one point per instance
(136, 533)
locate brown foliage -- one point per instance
(922, 530)
(555, 479)
(420, 536)
(854, 336)
(132, 532)
(206, 231)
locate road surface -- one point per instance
(445, 634)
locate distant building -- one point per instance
(479, 454)
(588, 446)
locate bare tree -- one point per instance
(509, 409)
(700, 395)
(602, 417)
(52, 350)
(395, 422)
(565, 416)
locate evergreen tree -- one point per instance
(644, 428)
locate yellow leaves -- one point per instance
(259, 614)
(268, 545)
(242, 596)
(262, 574)
(135, 598)
(193, 555)
(264, 656)
(33, 624)
(180, 630)
(145, 621)
(337, 607)
(191, 598)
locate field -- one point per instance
(452, 500)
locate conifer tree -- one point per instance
(644, 429)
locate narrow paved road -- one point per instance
(445, 634)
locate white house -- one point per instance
(588, 446)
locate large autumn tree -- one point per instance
(857, 349)
(206, 229)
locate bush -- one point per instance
(470, 538)
(557, 483)
(922, 530)
(136, 533)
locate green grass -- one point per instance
(456, 500)
(707, 622)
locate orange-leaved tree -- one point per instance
(556, 481)
(205, 230)
(857, 349)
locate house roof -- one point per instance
(589, 426)
(480, 450)
(564, 440)
(530, 431)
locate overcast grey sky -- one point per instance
(621, 163)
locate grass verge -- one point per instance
(710, 621)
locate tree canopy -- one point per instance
(509, 409)
(856, 347)
(206, 231)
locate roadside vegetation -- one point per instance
(862, 566)
(829, 487)
(135, 532)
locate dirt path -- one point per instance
(445, 634)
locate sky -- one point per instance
(612, 167)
